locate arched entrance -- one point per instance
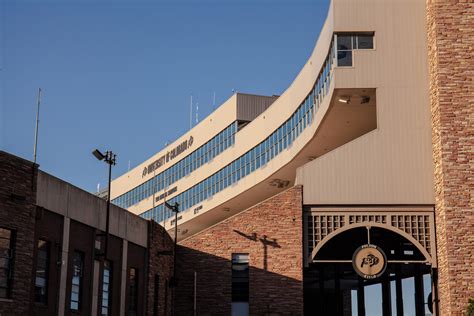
(337, 282)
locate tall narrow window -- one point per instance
(240, 284)
(76, 282)
(6, 262)
(344, 50)
(133, 292)
(42, 267)
(106, 278)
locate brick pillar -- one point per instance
(17, 213)
(160, 263)
(451, 65)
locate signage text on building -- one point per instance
(170, 155)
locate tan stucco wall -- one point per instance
(71, 202)
(392, 164)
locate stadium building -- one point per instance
(333, 197)
(348, 194)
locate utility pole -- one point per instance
(110, 159)
(175, 209)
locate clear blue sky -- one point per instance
(118, 74)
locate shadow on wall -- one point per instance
(265, 244)
(270, 293)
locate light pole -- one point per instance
(175, 209)
(109, 158)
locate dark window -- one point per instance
(365, 41)
(344, 58)
(346, 43)
(106, 278)
(76, 282)
(133, 291)
(344, 50)
(6, 262)
(240, 277)
(42, 267)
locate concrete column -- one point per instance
(123, 286)
(95, 287)
(64, 265)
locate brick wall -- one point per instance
(271, 232)
(451, 41)
(17, 212)
(160, 263)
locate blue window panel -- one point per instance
(238, 173)
(247, 169)
(257, 150)
(225, 182)
(237, 164)
(252, 165)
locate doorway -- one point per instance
(333, 287)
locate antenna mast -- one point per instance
(197, 112)
(191, 113)
(37, 125)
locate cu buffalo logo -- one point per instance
(145, 171)
(369, 261)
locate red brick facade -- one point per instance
(17, 212)
(271, 233)
(30, 222)
(160, 270)
(451, 42)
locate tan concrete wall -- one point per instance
(63, 198)
(451, 60)
(392, 164)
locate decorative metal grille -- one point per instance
(418, 226)
(319, 223)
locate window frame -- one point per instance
(109, 288)
(240, 281)
(9, 255)
(46, 270)
(80, 278)
(133, 300)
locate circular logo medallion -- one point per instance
(369, 261)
